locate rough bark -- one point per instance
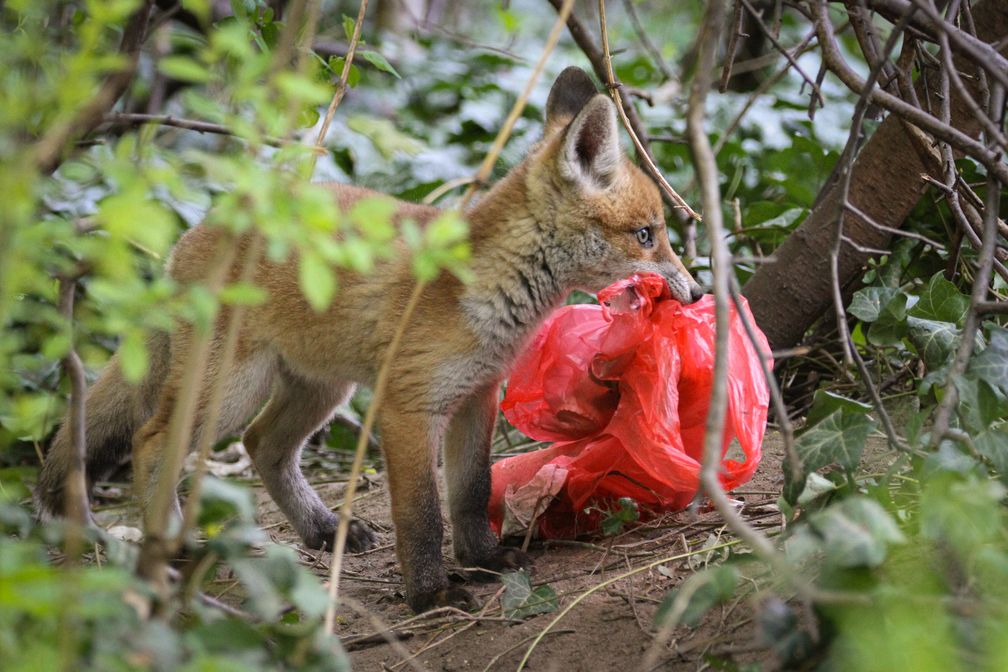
(790, 294)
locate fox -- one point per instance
(576, 213)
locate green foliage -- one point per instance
(698, 594)
(108, 216)
(520, 600)
(97, 617)
(625, 513)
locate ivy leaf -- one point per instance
(993, 444)
(980, 406)
(520, 600)
(380, 62)
(991, 365)
(867, 303)
(890, 327)
(941, 302)
(625, 512)
(857, 532)
(839, 439)
(825, 402)
(933, 340)
(701, 592)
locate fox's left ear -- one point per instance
(590, 155)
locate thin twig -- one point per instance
(341, 85)
(227, 345)
(649, 45)
(614, 90)
(137, 119)
(816, 94)
(48, 152)
(980, 285)
(729, 57)
(386, 633)
(706, 168)
(936, 127)
(346, 510)
(505, 132)
(608, 582)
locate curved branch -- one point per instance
(49, 151)
(836, 63)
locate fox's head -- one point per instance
(607, 213)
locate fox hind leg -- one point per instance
(297, 409)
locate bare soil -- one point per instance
(608, 588)
(610, 628)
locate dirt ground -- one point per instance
(610, 627)
(608, 588)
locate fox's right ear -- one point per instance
(570, 93)
(590, 154)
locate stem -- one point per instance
(341, 86)
(491, 158)
(642, 153)
(346, 511)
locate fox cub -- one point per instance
(576, 213)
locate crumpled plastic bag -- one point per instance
(623, 390)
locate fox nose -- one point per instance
(695, 292)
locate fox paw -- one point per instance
(323, 536)
(446, 597)
(501, 559)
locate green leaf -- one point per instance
(701, 592)
(387, 139)
(221, 500)
(839, 439)
(934, 341)
(980, 406)
(520, 600)
(890, 327)
(243, 294)
(941, 301)
(133, 356)
(993, 444)
(991, 365)
(825, 402)
(184, 68)
(857, 532)
(626, 512)
(379, 61)
(867, 303)
(348, 27)
(317, 280)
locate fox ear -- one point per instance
(570, 93)
(591, 154)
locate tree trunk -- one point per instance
(790, 294)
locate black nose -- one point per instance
(696, 292)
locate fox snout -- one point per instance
(684, 288)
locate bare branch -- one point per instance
(817, 95)
(929, 21)
(48, 152)
(138, 119)
(915, 115)
(601, 65)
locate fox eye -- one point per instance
(644, 236)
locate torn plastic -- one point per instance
(623, 390)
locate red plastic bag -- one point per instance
(623, 390)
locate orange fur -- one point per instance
(567, 217)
